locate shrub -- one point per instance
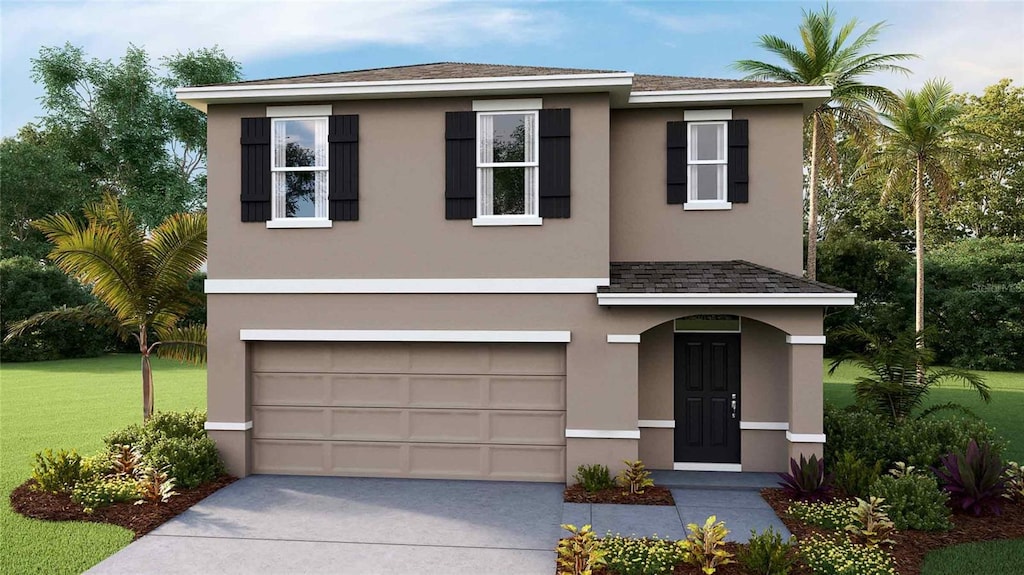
(635, 477)
(807, 479)
(767, 554)
(645, 556)
(915, 501)
(57, 472)
(28, 287)
(870, 524)
(594, 477)
(190, 462)
(830, 515)
(581, 553)
(155, 486)
(133, 435)
(103, 491)
(975, 480)
(853, 477)
(1015, 481)
(837, 555)
(705, 545)
(162, 425)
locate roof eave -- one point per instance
(731, 299)
(809, 96)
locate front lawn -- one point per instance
(1003, 413)
(73, 404)
(987, 558)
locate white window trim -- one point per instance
(514, 219)
(505, 105)
(299, 111)
(721, 203)
(706, 115)
(279, 221)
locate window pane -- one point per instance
(508, 136)
(707, 142)
(296, 194)
(708, 182)
(300, 143)
(503, 191)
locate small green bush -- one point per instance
(853, 476)
(163, 425)
(57, 472)
(767, 554)
(594, 477)
(837, 555)
(915, 501)
(643, 556)
(834, 515)
(133, 435)
(104, 491)
(190, 462)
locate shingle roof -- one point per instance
(452, 70)
(736, 276)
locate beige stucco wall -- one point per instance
(402, 231)
(767, 230)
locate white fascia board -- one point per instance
(405, 335)
(623, 338)
(406, 286)
(734, 299)
(200, 96)
(602, 433)
(765, 425)
(779, 95)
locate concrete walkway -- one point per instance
(286, 524)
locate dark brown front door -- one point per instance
(707, 396)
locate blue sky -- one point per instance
(973, 44)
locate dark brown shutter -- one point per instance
(554, 167)
(676, 162)
(460, 165)
(738, 162)
(343, 194)
(256, 177)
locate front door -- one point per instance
(707, 396)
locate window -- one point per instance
(299, 165)
(507, 185)
(707, 166)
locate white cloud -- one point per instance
(690, 23)
(971, 44)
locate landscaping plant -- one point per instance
(1014, 481)
(837, 555)
(914, 501)
(125, 460)
(975, 479)
(155, 486)
(104, 491)
(853, 477)
(635, 477)
(807, 480)
(643, 556)
(705, 545)
(767, 554)
(191, 462)
(830, 515)
(581, 553)
(57, 472)
(594, 477)
(870, 524)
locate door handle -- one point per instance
(733, 405)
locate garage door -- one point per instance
(433, 410)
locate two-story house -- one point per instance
(502, 272)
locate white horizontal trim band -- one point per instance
(805, 339)
(297, 111)
(621, 338)
(805, 437)
(704, 299)
(765, 425)
(706, 115)
(733, 467)
(656, 424)
(410, 285)
(300, 223)
(227, 425)
(507, 105)
(405, 335)
(603, 433)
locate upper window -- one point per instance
(507, 167)
(299, 166)
(707, 163)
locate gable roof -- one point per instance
(719, 277)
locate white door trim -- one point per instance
(685, 466)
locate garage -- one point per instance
(493, 411)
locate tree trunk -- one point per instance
(147, 377)
(919, 204)
(812, 205)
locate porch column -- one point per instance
(601, 401)
(806, 395)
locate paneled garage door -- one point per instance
(433, 410)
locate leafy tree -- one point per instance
(830, 56)
(899, 374)
(140, 279)
(921, 142)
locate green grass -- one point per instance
(1003, 413)
(987, 558)
(73, 404)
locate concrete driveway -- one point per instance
(286, 524)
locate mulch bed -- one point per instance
(141, 518)
(651, 496)
(912, 546)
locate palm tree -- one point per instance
(829, 57)
(139, 279)
(899, 374)
(921, 142)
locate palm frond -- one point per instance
(185, 343)
(178, 246)
(948, 406)
(93, 314)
